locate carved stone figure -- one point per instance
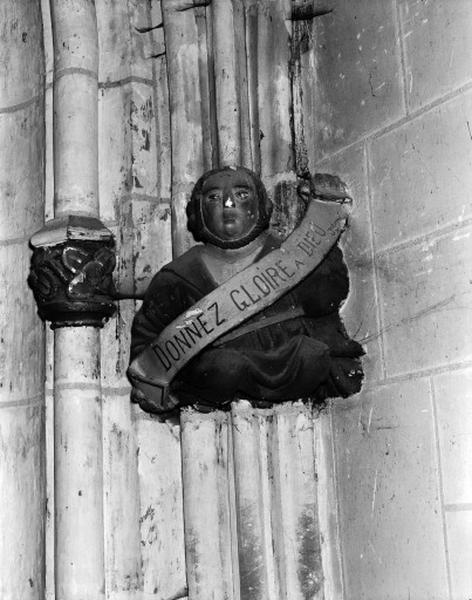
(295, 347)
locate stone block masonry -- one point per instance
(394, 120)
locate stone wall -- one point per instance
(22, 450)
(392, 113)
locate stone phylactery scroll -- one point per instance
(235, 317)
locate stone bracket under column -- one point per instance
(71, 272)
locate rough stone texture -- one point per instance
(359, 91)
(20, 41)
(438, 42)
(358, 73)
(459, 534)
(208, 501)
(360, 311)
(114, 149)
(418, 181)
(425, 303)
(22, 448)
(21, 175)
(115, 340)
(144, 551)
(453, 395)
(421, 172)
(160, 521)
(127, 151)
(22, 485)
(130, 184)
(124, 51)
(274, 88)
(389, 514)
(123, 572)
(78, 463)
(21, 331)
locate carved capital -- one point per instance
(71, 272)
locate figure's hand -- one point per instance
(326, 187)
(138, 397)
(347, 375)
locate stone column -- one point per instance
(22, 450)
(71, 275)
(78, 490)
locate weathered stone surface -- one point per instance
(22, 63)
(360, 310)
(161, 513)
(206, 476)
(75, 144)
(125, 45)
(78, 477)
(127, 152)
(459, 536)
(114, 149)
(438, 41)
(273, 89)
(390, 514)
(185, 104)
(21, 331)
(130, 184)
(22, 447)
(453, 394)
(358, 73)
(21, 175)
(123, 571)
(23, 506)
(49, 154)
(115, 340)
(425, 295)
(143, 243)
(75, 36)
(420, 173)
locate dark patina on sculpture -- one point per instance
(71, 272)
(295, 347)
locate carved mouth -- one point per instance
(229, 218)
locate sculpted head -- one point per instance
(229, 207)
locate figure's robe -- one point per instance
(308, 355)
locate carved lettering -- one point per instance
(252, 300)
(192, 331)
(206, 328)
(240, 304)
(172, 350)
(269, 281)
(263, 286)
(182, 341)
(165, 362)
(284, 269)
(305, 248)
(218, 321)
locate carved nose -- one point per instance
(229, 202)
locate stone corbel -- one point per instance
(71, 272)
(305, 10)
(183, 5)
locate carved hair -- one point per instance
(197, 227)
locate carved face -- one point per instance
(230, 204)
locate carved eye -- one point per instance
(214, 196)
(242, 194)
